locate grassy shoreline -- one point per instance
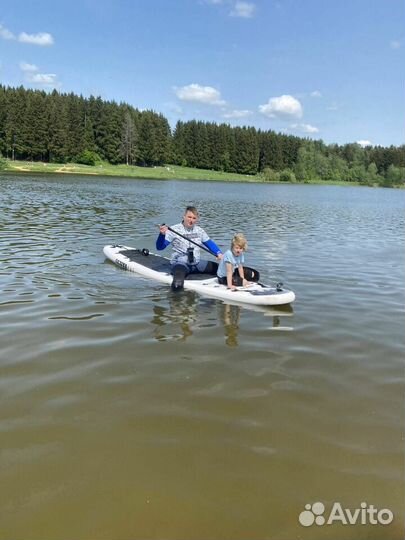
(168, 172)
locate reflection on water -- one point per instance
(176, 320)
(129, 412)
(230, 315)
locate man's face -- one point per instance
(189, 219)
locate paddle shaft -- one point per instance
(191, 241)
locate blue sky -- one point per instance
(324, 69)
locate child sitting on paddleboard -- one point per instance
(231, 271)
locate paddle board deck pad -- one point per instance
(156, 267)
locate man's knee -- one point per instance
(179, 272)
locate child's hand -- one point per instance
(246, 283)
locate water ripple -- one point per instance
(183, 401)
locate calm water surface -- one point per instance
(131, 413)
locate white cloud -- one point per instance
(200, 94)
(44, 79)
(236, 114)
(5, 33)
(243, 9)
(24, 66)
(47, 80)
(395, 44)
(316, 93)
(305, 128)
(363, 143)
(282, 106)
(43, 38)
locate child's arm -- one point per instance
(229, 274)
(242, 275)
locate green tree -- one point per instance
(163, 142)
(179, 144)
(147, 140)
(358, 173)
(201, 148)
(270, 175)
(57, 129)
(287, 175)
(112, 142)
(3, 117)
(271, 151)
(36, 126)
(372, 176)
(14, 126)
(305, 168)
(245, 155)
(88, 157)
(395, 176)
(129, 138)
(75, 126)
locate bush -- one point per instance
(87, 157)
(270, 175)
(3, 163)
(287, 175)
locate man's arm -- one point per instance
(211, 245)
(161, 242)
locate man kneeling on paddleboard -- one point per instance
(187, 238)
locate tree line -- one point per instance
(56, 127)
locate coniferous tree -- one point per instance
(147, 139)
(15, 124)
(129, 138)
(36, 126)
(89, 142)
(75, 131)
(162, 148)
(225, 145)
(61, 127)
(179, 142)
(58, 128)
(113, 131)
(271, 153)
(3, 117)
(95, 108)
(245, 154)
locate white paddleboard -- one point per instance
(156, 267)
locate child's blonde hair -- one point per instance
(239, 240)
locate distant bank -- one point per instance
(168, 172)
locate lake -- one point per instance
(129, 412)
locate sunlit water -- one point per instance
(131, 413)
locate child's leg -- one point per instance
(236, 279)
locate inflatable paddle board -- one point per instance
(156, 267)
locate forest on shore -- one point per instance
(63, 128)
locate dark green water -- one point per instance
(128, 413)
